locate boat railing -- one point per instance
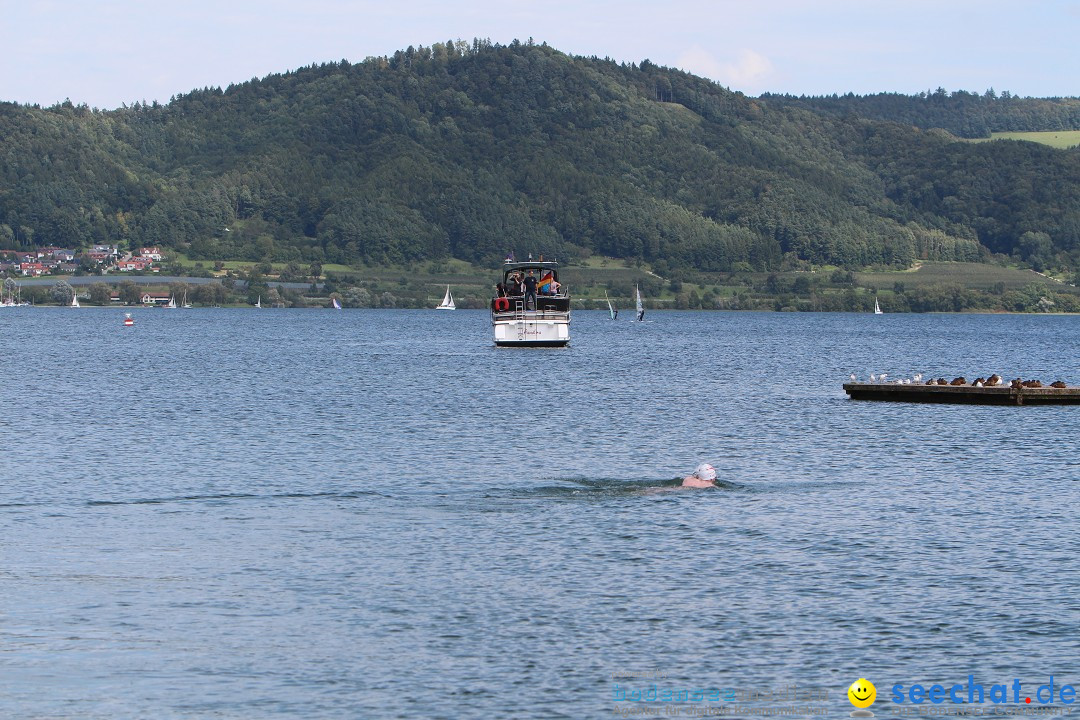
(519, 312)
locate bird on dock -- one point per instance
(1058, 384)
(852, 376)
(883, 376)
(917, 379)
(977, 383)
(873, 378)
(994, 380)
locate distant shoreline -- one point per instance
(74, 280)
(243, 306)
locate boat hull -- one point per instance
(532, 343)
(532, 331)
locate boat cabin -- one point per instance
(551, 296)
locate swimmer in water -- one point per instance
(703, 477)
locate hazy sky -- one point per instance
(107, 52)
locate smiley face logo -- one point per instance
(862, 693)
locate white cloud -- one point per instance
(749, 71)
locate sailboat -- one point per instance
(186, 305)
(447, 301)
(877, 308)
(258, 303)
(337, 305)
(172, 303)
(611, 310)
(640, 307)
(74, 299)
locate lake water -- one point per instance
(366, 514)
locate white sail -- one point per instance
(74, 299)
(172, 303)
(447, 301)
(337, 305)
(640, 307)
(258, 303)
(185, 304)
(610, 309)
(877, 308)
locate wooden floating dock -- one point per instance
(998, 395)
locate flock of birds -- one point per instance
(994, 380)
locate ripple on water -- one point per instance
(377, 514)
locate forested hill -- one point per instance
(965, 114)
(474, 150)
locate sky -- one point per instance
(105, 53)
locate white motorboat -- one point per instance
(526, 319)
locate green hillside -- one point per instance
(470, 151)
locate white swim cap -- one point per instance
(705, 471)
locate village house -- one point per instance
(134, 263)
(153, 298)
(154, 253)
(56, 253)
(32, 269)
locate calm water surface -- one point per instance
(368, 514)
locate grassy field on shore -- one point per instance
(977, 276)
(1061, 139)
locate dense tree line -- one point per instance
(474, 150)
(965, 114)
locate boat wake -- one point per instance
(587, 488)
(210, 498)
(236, 496)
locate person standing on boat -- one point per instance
(530, 290)
(513, 285)
(703, 476)
(500, 291)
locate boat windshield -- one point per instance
(545, 274)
